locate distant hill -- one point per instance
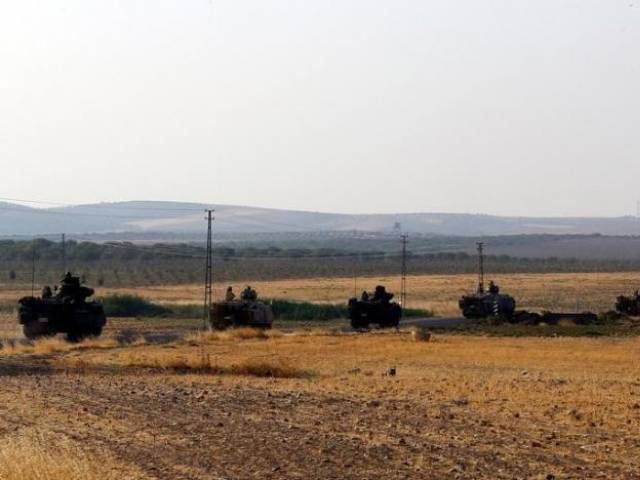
(186, 218)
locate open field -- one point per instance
(155, 399)
(440, 293)
(316, 404)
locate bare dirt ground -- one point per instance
(315, 404)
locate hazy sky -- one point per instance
(517, 107)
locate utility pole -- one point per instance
(208, 275)
(403, 272)
(33, 267)
(355, 279)
(63, 245)
(480, 268)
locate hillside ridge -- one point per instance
(185, 217)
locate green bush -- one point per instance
(417, 313)
(132, 306)
(135, 306)
(186, 311)
(287, 310)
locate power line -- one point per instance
(73, 214)
(121, 205)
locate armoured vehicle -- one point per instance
(68, 312)
(246, 312)
(629, 305)
(486, 303)
(377, 309)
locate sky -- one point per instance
(508, 107)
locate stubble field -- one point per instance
(152, 399)
(439, 293)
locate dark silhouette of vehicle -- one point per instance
(246, 312)
(486, 303)
(68, 312)
(629, 305)
(377, 309)
(241, 314)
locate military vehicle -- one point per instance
(377, 309)
(486, 303)
(629, 305)
(246, 312)
(68, 312)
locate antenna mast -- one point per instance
(403, 272)
(63, 245)
(355, 280)
(33, 267)
(208, 275)
(480, 267)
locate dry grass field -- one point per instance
(440, 293)
(154, 399)
(320, 404)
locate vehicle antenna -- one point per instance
(355, 279)
(63, 245)
(33, 267)
(480, 268)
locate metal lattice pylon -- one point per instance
(403, 272)
(208, 275)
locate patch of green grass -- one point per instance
(285, 310)
(133, 306)
(301, 311)
(191, 310)
(305, 311)
(417, 313)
